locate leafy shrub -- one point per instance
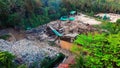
(5, 37)
(75, 49)
(104, 51)
(6, 60)
(22, 66)
(51, 62)
(83, 39)
(14, 20)
(118, 21)
(113, 28)
(80, 61)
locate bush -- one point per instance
(118, 21)
(5, 37)
(6, 60)
(22, 66)
(103, 51)
(113, 28)
(51, 62)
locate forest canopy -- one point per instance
(32, 13)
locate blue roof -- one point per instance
(72, 12)
(71, 18)
(57, 33)
(64, 18)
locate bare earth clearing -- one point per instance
(87, 20)
(113, 17)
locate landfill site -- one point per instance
(48, 40)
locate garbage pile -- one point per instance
(37, 33)
(81, 24)
(71, 28)
(68, 27)
(27, 51)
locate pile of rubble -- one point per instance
(27, 51)
(67, 28)
(81, 24)
(37, 33)
(5, 45)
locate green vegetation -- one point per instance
(110, 27)
(22, 66)
(103, 51)
(6, 60)
(99, 50)
(32, 13)
(5, 37)
(95, 50)
(27, 13)
(118, 21)
(50, 63)
(93, 6)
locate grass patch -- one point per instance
(5, 37)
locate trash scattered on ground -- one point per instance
(30, 51)
(32, 46)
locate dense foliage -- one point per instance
(32, 13)
(6, 60)
(52, 62)
(103, 51)
(99, 50)
(93, 5)
(110, 28)
(27, 13)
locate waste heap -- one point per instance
(27, 51)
